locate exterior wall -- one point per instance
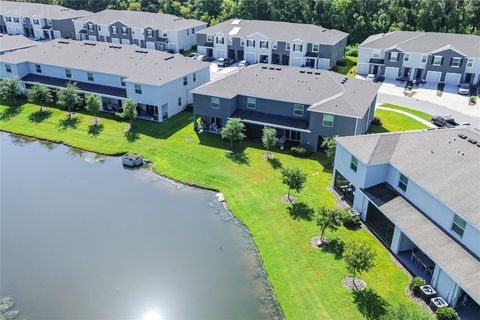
(342, 126)
(445, 67)
(65, 27)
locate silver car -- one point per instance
(464, 89)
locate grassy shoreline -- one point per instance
(306, 281)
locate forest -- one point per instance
(360, 18)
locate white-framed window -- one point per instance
(114, 29)
(230, 41)
(185, 81)
(403, 182)
(376, 53)
(90, 26)
(327, 120)
(124, 30)
(122, 81)
(437, 60)
(354, 164)
(149, 33)
(242, 42)
(470, 62)
(424, 58)
(456, 62)
(8, 19)
(274, 45)
(36, 21)
(297, 47)
(215, 102)
(394, 56)
(16, 20)
(288, 45)
(90, 76)
(188, 32)
(38, 68)
(209, 38)
(251, 103)
(99, 28)
(8, 68)
(179, 101)
(220, 40)
(458, 225)
(406, 57)
(315, 47)
(68, 73)
(138, 89)
(251, 43)
(298, 109)
(49, 22)
(263, 44)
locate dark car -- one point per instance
(208, 59)
(445, 121)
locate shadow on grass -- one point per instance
(238, 156)
(69, 123)
(39, 116)
(10, 112)
(131, 135)
(95, 129)
(370, 304)
(335, 247)
(301, 211)
(275, 163)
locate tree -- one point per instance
(294, 178)
(134, 6)
(359, 258)
(39, 94)
(93, 103)
(269, 138)
(234, 130)
(328, 218)
(405, 312)
(68, 98)
(330, 144)
(10, 88)
(129, 111)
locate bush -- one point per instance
(446, 313)
(301, 151)
(341, 63)
(405, 312)
(352, 50)
(348, 221)
(473, 99)
(377, 121)
(416, 283)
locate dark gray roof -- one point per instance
(140, 19)
(270, 119)
(425, 42)
(438, 160)
(456, 261)
(136, 64)
(83, 86)
(10, 43)
(322, 90)
(47, 11)
(277, 30)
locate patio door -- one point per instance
(382, 226)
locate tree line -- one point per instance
(360, 18)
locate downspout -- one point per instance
(356, 124)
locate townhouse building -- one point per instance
(304, 105)
(159, 82)
(273, 42)
(11, 43)
(145, 29)
(422, 56)
(418, 191)
(38, 21)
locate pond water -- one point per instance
(83, 238)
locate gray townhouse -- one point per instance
(11, 43)
(145, 29)
(273, 42)
(38, 21)
(422, 56)
(303, 104)
(418, 192)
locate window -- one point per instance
(194, 76)
(456, 62)
(188, 32)
(122, 81)
(193, 30)
(90, 26)
(90, 76)
(138, 89)
(36, 21)
(470, 63)
(376, 53)
(242, 42)
(458, 225)
(149, 33)
(49, 22)
(437, 60)
(220, 40)
(298, 109)
(114, 30)
(263, 44)
(251, 43)
(38, 68)
(327, 120)
(403, 182)
(424, 58)
(394, 56)
(209, 38)
(315, 47)
(274, 45)
(185, 81)
(251, 103)
(354, 164)
(99, 29)
(230, 41)
(17, 20)
(165, 35)
(9, 19)
(406, 57)
(215, 103)
(8, 68)
(68, 73)
(124, 30)
(297, 47)
(179, 101)
(287, 46)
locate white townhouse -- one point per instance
(273, 42)
(38, 21)
(159, 82)
(145, 29)
(422, 56)
(419, 192)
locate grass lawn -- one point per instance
(420, 114)
(306, 281)
(350, 67)
(394, 121)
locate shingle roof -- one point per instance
(9, 43)
(47, 11)
(322, 90)
(442, 163)
(136, 64)
(278, 30)
(425, 42)
(139, 19)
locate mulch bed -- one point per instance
(357, 286)
(292, 199)
(316, 243)
(267, 155)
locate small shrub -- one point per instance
(348, 221)
(377, 121)
(301, 151)
(446, 313)
(473, 99)
(341, 63)
(352, 50)
(416, 283)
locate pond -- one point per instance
(84, 238)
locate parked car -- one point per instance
(170, 51)
(370, 77)
(464, 89)
(444, 121)
(223, 62)
(243, 64)
(208, 59)
(192, 55)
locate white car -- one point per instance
(370, 77)
(200, 57)
(464, 89)
(243, 64)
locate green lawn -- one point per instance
(350, 67)
(307, 281)
(394, 121)
(423, 115)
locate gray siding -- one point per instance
(280, 108)
(445, 67)
(65, 26)
(119, 34)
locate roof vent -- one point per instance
(271, 68)
(168, 58)
(302, 71)
(141, 51)
(115, 47)
(90, 44)
(472, 141)
(309, 72)
(317, 73)
(63, 42)
(461, 135)
(278, 69)
(264, 67)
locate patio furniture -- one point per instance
(422, 260)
